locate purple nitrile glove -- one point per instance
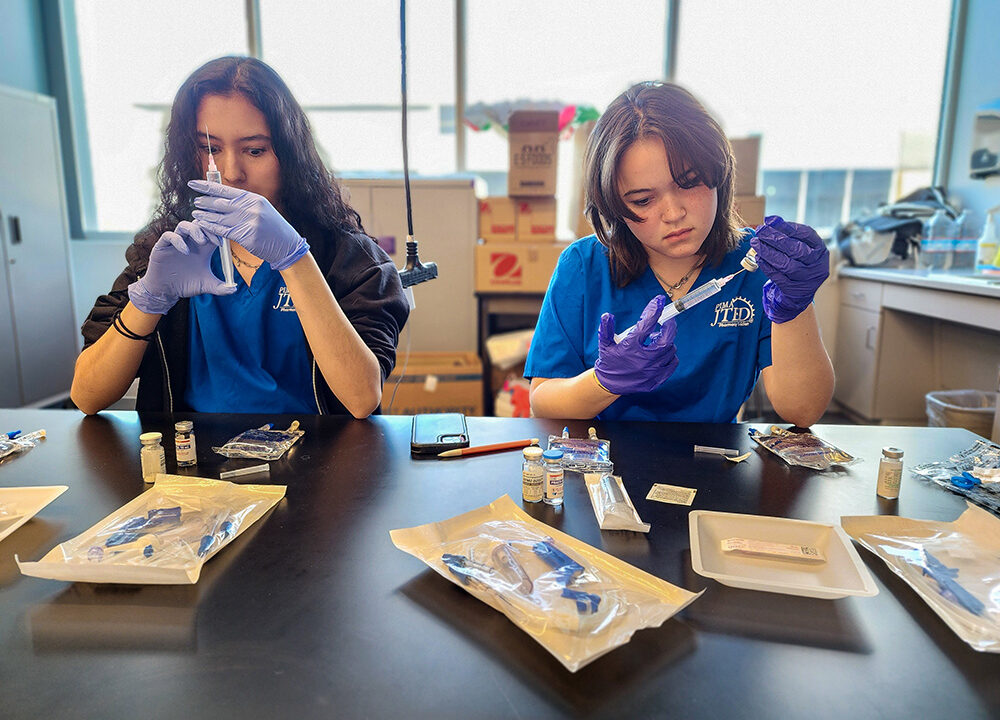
(250, 220)
(795, 261)
(179, 266)
(633, 366)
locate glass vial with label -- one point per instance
(553, 477)
(532, 475)
(187, 455)
(890, 472)
(151, 457)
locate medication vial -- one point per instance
(187, 454)
(152, 458)
(532, 475)
(890, 472)
(553, 477)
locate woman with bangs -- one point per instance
(312, 321)
(660, 179)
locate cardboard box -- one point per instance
(533, 141)
(435, 382)
(498, 219)
(536, 219)
(750, 208)
(516, 267)
(747, 154)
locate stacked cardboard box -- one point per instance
(518, 248)
(435, 382)
(748, 203)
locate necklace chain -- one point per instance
(671, 288)
(244, 263)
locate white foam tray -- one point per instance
(842, 573)
(21, 504)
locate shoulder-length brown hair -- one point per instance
(699, 155)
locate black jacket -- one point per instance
(360, 274)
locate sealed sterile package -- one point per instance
(953, 566)
(261, 443)
(803, 448)
(18, 443)
(576, 601)
(162, 537)
(612, 505)
(583, 454)
(973, 472)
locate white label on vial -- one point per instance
(673, 494)
(533, 484)
(760, 547)
(554, 483)
(186, 453)
(889, 477)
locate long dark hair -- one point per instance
(310, 196)
(699, 154)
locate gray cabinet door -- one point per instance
(36, 245)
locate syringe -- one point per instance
(225, 251)
(697, 295)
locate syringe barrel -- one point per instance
(680, 305)
(214, 176)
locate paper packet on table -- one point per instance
(261, 443)
(576, 601)
(612, 505)
(162, 537)
(953, 566)
(802, 448)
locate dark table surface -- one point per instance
(313, 613)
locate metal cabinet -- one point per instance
(38, 332)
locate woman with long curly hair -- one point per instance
(312, 321)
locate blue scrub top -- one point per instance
(722, 343)
(248, 352)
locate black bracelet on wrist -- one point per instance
(118, 324)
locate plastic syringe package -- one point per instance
(583, 454)
(613, 507)
(803, 448)
(261, 443)
(19, 444)
(575, 600)
(162, 537)
(980, 458)
(952, 566)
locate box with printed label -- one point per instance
(533, 137)
(750, 208)
(435, 382)
(536, 219)
(516, 267)
(498, 218)
(746, 151)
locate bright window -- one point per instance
(830, 85)
(134, 56)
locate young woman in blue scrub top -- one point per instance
(660, 184)
(314, 319)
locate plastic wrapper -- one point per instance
(803, 449)
(576, 601)
(19, 443)
(612, 505)
(953, 566)
(164, 536)
(583, 454)
(979, 460)
(261, 443)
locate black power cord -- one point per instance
(414, 272)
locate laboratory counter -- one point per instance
(312, 612)
(966, 282)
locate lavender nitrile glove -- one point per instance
(795, 261)
(632, 366)
(177, 268)
(250, 220)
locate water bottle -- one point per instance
(935, 245)
(964, 245)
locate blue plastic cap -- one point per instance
(553, 454)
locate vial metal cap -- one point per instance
(891, 452)
(184, 426)
(150, 438)
(552, 454)
(532, 452)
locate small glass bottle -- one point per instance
(532, 475)
(890, 472)
(187, 454)
(151, 457)
(553, 477)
